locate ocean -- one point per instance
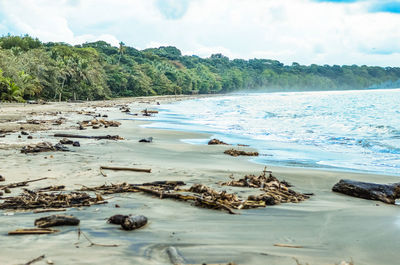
(356, 130)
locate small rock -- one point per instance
(105, 116)
(2, 178)
(76, 144)
(30, 137)
(117, 206)
(19, 136)
(24, 133)
(7, 190)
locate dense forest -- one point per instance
(31, 69)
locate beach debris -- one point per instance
(174, 256)
(56, 220)
(134, 222)
(124, 109)
(117, 219)
(66, 141)
(97, 123)
(387, 193)
(146, 140)
(30, 200)
(216, 141)
(49, 210)
(76, 144)
(128, 222)
(125, 187)
(33, 231)
(275, 191)
(126, 169)
(43, 147)
(105, 137)
(35, 259)
(2, 178)
(91, 242)
(19, 184)
(234, 152)
(51, 188)
(287, 246)
(147, 112)
(24, 133)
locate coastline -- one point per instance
(330, 227)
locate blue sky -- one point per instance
(303, 31)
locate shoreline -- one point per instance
(331, 227)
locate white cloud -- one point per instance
(303, 31)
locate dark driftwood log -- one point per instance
(19, 184)
(134, 222)
(387, 193)
(33, 231)
(104, 137)
(56, 220)
(117, 219)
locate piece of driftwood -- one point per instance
(56, 220)
(101, 137)
(33, 231)
(117, 219)
(52, 188)
(35, 260)
(287, 246)
(174, 256)
(126, 169)
(49, 210)
(387, 193)
(19, 184)
(146, 140)
(134, 222)
(234, 152)
(216, 141)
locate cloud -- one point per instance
(303, 31)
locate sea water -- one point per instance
(354, 130)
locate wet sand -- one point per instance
(330, 227)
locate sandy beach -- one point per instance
(329, 227)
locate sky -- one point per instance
(303, 31)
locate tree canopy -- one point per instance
(30, 69)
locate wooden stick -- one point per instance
(104, 137)
(33, 231)
(19, 184)
(287, 246)
(49, 210)
(35, 260)
(126, 169)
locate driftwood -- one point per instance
(19, 184)
(126, 169)
(43, 147)
(30, 200)
(56, 220)
(216, 141)
(287, 246)
(35, 260)
(234, 152)
(104, 137)
(175, 257)
(95, 123)
(146, 140)
(117, 219)
(275, 191)
(49, 210)
(33, 231)
(91, 242)
(387, 193)
(134, 222)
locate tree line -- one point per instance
(31, 69)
